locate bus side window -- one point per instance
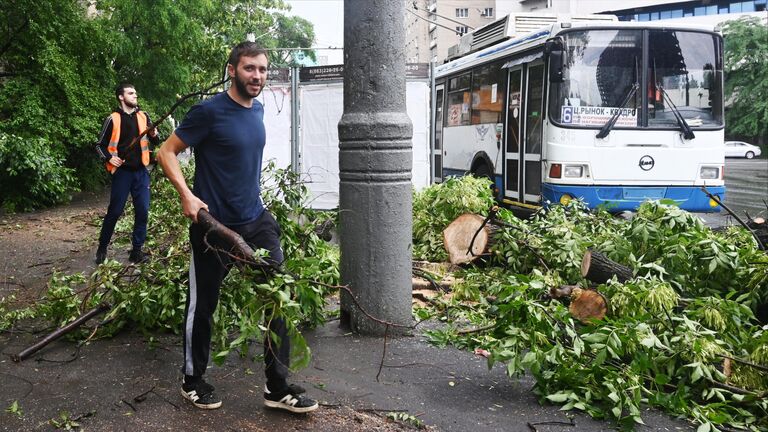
(489, 84)
(459, 101)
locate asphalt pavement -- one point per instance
(131, 384)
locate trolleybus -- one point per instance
(610, 112)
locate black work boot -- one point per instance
(101, 254)
(137, 256)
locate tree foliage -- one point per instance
(151, 297)
(746, 66)
(54, 95)
(669, 330)
(292, 32)
(60, 61)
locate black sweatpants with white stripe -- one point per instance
(206, 273)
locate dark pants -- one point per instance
(206, 273)
(124, 182)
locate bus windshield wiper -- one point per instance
(684, 126)
(606, 129)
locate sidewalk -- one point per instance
(132, 385)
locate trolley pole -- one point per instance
(375, 162)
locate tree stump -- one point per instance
(598, 268)
(458, 237)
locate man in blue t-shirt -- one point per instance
(227, 133)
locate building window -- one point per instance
(488, 12)
(462, 30)
(462, 12)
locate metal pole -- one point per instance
(295, 138)
(375, 160)
(432, 125)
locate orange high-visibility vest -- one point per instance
(115, 138)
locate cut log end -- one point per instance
(458, 236)
(598, 268)
(587, 305)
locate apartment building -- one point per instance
(709, 11)
(433, 26)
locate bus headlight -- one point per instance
(575, 171)
(709, 172)
(565, 199)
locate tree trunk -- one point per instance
(598, 268)
(465, 231)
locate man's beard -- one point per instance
(242, 88)
(130, 104)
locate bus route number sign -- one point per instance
(597, 116)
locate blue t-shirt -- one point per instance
(228, 139)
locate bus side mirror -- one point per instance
(553, 49)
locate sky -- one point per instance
(328, 19)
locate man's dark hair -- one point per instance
(247, 49)
(120, 89)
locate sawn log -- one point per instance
(585, 304)
(598, 268)
(459, 235)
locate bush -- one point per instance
(33, 174)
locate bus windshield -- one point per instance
(682, 73)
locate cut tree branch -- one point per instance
(24, 354)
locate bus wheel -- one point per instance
(484, 171)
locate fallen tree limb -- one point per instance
(745, 362)
(237, 248)
(715, 198)
(24, 354)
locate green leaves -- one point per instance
(151, 297)
(33, 174)
(746, 63)
(15, 409)
(663, 340)
(438, 205)
(62, 59)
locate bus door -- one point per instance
(534, 126)
(512, 147)
(437, 141)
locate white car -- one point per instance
(741, 149)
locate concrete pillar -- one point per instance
(375, 160)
